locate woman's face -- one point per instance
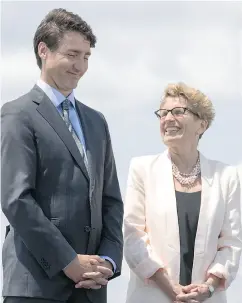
(181, 126)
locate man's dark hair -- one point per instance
(56, 23)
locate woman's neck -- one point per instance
(184, 158)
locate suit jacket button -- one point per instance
(45, 264)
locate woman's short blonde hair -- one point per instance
(198, 102)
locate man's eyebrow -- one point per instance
(79, 52)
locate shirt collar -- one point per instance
(54, 95)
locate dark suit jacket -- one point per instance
(55, 209)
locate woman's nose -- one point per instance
(169, 116)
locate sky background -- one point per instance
(141, 48)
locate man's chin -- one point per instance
(72, 86)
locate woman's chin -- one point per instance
(171, 140)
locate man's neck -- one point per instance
(54, 85)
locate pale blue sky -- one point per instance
(141, 47)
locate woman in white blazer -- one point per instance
(182, 225)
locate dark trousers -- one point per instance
(78, 296)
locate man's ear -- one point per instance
(42, 50)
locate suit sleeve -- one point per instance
(112, 208)
(19, 170)
(226, 262)
(137, 251)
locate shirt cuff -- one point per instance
(111, 261)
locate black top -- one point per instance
(188, 208)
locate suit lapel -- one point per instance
(51, 115)
(88, 131)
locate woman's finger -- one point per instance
(186, 297)
(188, 288)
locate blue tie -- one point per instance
(65, 111)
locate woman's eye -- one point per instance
(178, 112)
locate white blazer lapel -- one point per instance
(205, 210)
(167, 200)
(166, 204)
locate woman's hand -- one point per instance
(194, 293)
(163, 281)
(178, 290)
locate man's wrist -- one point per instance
(111, 262)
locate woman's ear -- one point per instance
(202, 128)
(204, 125)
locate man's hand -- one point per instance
(98, 278)
(82, 264)
(194, 293)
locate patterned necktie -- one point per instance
(65, 111)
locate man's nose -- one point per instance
(79, 66)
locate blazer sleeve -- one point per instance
(112, 210)
(18, 180)
(226, 263)
(137, 251)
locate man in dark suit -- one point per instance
(60, 191)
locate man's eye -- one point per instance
(86, 58)
(71, 55)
